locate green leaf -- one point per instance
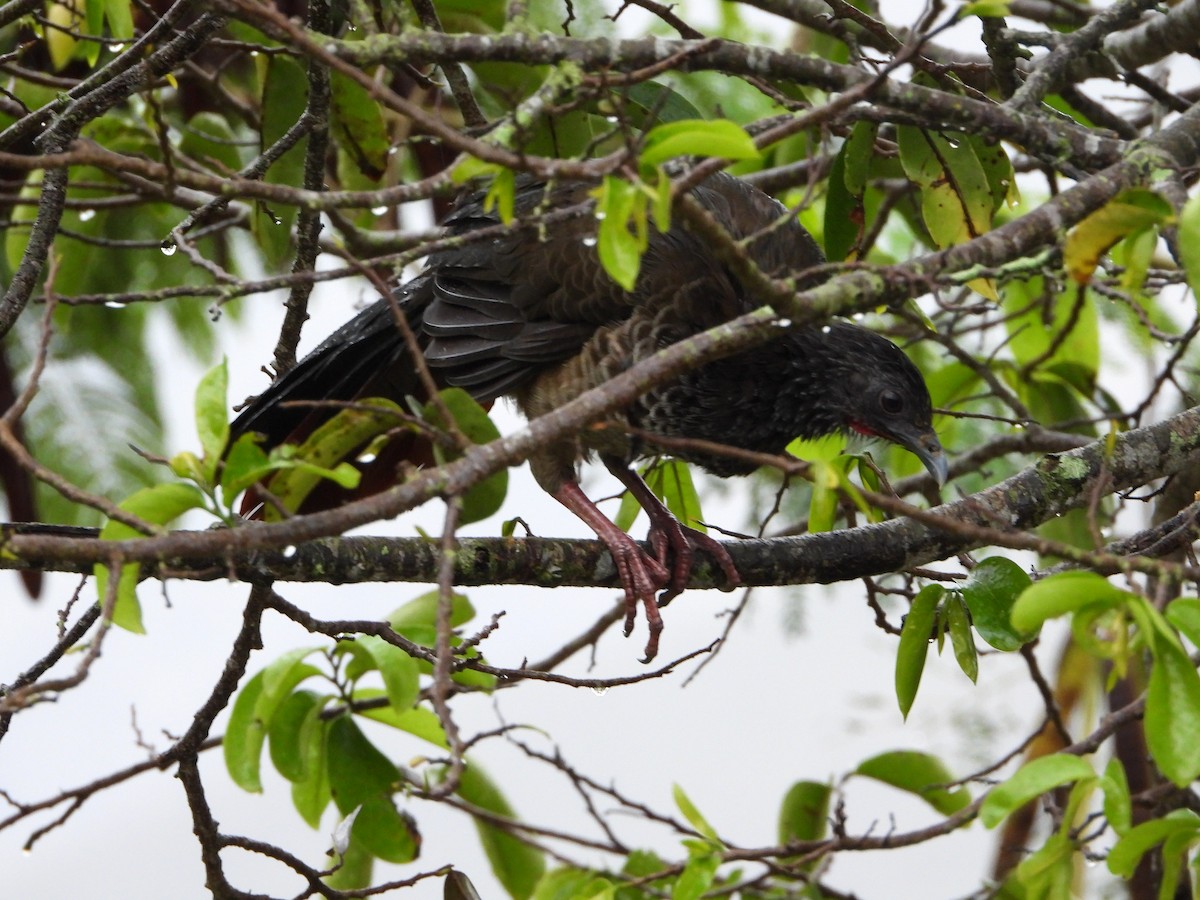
(358, 126)
(1118, 805)
(516, 865)
(920, 774)
(242, 746)
(961, 637)
(692, 814)
(64, 22)
(1125, 855)
(619, 249)
(844, 213)
(421, 613)
(359, 775)
(664, 101)
(283, 733)
(1189, 243)
(697, 876)
(1130, 211)
(471, 167)
(1032, 780)
(627, 512)
(1059, 330)
(914, 645)
(1172, 719)
(245, 464)
(400, 671)
(1048, 871)
(986, 9)
(696, 137)
(281, 676)
(501, 194)
(804, 813)
(858, 151)
(418, 721)
(254, 711)
(120, 19)
(333, 441)
(990, 592)
(1060, 594)
(158, 504)
(564, 883)
(311, 795)
(212, 419)
(1184, 614)
(956, 195)
(485, 498)
(282, 106)
(672, 481)
(824, 449)
(997, 168)
(209, 138)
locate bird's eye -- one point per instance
(891, 402)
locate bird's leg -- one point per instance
(673, 542)
(641, 574)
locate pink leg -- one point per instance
(641, 575)
(674, 543)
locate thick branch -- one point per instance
(1058, 483)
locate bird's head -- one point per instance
(872, 389)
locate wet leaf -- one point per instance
(1031, 781)
(914, 645)
(990, 592)
(920, 774)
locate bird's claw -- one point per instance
(675, 545)
(642, 577)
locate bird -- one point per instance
(528, 312)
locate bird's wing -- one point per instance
(504, 306)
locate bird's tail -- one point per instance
(370, 356)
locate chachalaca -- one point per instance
(530, 314)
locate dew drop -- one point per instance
(589, 241)
(825, 329)
(784, 323)
(288, 552)
(601, 215)
(168, 247)
(366, 458)
(253, 54)
(114, 304)
(117, 48)
(392, 151)
(86, 215)
(600, 690)
(612, 119)
(378, 210)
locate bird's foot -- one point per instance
(642, 575)
(675, 545)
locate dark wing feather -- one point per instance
(366, 357)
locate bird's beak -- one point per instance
(928, 449)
